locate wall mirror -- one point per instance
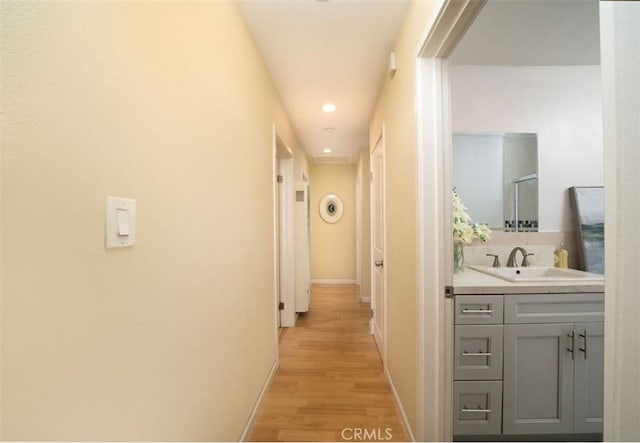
(496, 176)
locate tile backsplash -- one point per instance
(541, 244)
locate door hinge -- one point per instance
(280, 178)
(370, 176)
(448, 292)
(281, 306)
(372, 313)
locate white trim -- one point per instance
(365, 299)
(256, 406)
(447, 25)
(287, 232)
(403, 414)
(436, 383)
(333, 281)
(446, 28)
(359, 222)
(302, 254)
(276, 269)
(620, 53)
(384, 255)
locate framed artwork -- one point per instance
(331, 208)
(588, 215)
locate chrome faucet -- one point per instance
(511, 262)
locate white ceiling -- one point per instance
(532, 33)
(337, 50)
(327, 51)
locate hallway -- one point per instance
(330, 385)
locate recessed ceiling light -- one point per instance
(328, 107)
(329, 130)
(327, 150)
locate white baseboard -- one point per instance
(405, 422)
(334, 281)
(365, 299)
(254, 411)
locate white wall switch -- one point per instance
(120, 223)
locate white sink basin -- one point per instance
(539, 274)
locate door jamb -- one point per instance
(284, 156)
(359, 264)
(435, 334)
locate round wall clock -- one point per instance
(331, 208)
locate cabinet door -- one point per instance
(589, 379)
(538, 378)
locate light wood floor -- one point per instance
(330, 377)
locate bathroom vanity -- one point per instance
(528, 359)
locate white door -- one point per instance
(278, 240)
(378, 299)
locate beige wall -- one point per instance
(333, 245)
(164, 103)
(365, 229)
(395, 108)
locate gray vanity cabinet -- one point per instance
(553, 369)
(538, 379)
(528, 364)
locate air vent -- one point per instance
(332, 159)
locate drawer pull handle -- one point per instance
(572, 336)
(484, 411)
(476, 354)
(477, 311)
(584, 336)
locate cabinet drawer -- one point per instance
(478, 352)
(478, 310)
(477, 407)
(554, 308)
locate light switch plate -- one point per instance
(120, 218)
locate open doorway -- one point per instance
(439, 76)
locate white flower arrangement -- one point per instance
(464, 231)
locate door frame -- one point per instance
(618, 24)
(284, 240)
(382, 140)
(358, 194)
(443, 32)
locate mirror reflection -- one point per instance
(496, 175)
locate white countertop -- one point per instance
(470, 281)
